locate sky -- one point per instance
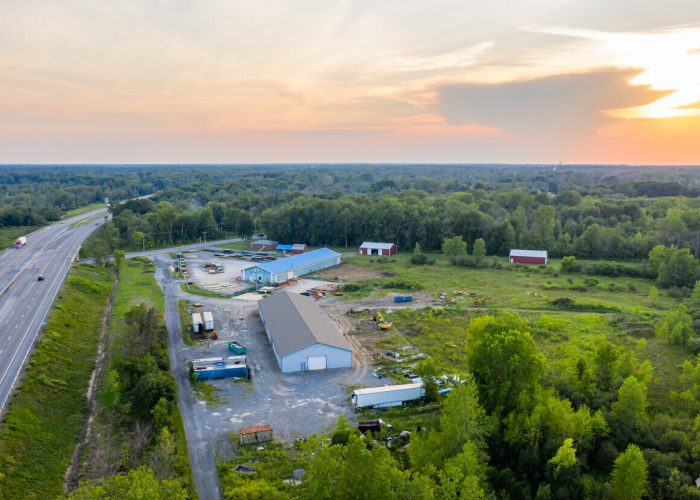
(275, 81)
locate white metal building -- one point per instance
(303, 338)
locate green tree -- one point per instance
(604, 365)
(629, 475)
(454, 247)
(630, 409)
(676, 326)
(137, 484)
(504, 360)
(674, 266)
(479, 250)
(564, 458)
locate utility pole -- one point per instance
(143, 241)
(205, 237)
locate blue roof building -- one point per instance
(282, 270)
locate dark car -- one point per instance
(40, 278)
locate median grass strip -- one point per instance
(44, 420)
(81, 210)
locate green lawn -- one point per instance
(46, 416)
(81, 210)
(8, 235)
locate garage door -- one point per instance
(316, 363)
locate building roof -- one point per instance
(371, 244)
(257, 428)
(298, 246)
(386, 388)
(208, 316)
(294, 322)
(285, 247)
(297, 261)
(263, 242)
(529, 253)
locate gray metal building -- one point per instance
(303, 338)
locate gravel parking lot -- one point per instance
(295, 405)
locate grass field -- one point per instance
(517, 287)
(82, 210)
(8, 235)
(202, 292)
(45, 418)
(616, 309)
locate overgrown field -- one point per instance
(44, 421)
(506, 286)
(137, 420)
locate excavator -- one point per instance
(378, 318)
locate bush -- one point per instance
(569, 265)
(421, 259)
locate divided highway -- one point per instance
(24, 300)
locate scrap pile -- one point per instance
(321, 291)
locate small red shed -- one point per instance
(299, 248)
(528, 257)
(372, 248)
(263, 245)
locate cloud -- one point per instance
(556, 108)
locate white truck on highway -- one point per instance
(386, 396)
(20, 242)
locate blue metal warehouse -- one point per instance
(302, 336)
(283, 270)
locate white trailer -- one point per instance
(388, 395)
(197, 322)
(21, 241)
(208, 321)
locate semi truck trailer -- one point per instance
(20, 242)
(386, 396)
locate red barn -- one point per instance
(263, 245)
(528, 257)
(299, 248)
(370, 248)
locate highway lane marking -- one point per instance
(73, 250)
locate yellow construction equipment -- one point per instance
(378, 317)
(385, 325)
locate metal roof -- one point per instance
(298, 246)
(386, 388)
(294, 322)
(371, 244)
(529, 253)
(257, 428)
(297, 261)
(285, 247)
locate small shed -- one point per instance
(299, 248)
(263, 245)
(528, 257)
(257, 434)
(197, 323)
(373, 248)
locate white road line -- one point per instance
(63, 272)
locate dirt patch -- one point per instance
(347, 273)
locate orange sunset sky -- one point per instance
(178, 81)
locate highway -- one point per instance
(25, 301)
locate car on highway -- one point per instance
(40, 278)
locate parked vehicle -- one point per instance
(40, 278)
(403, 298)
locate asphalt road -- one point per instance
(25, 301)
